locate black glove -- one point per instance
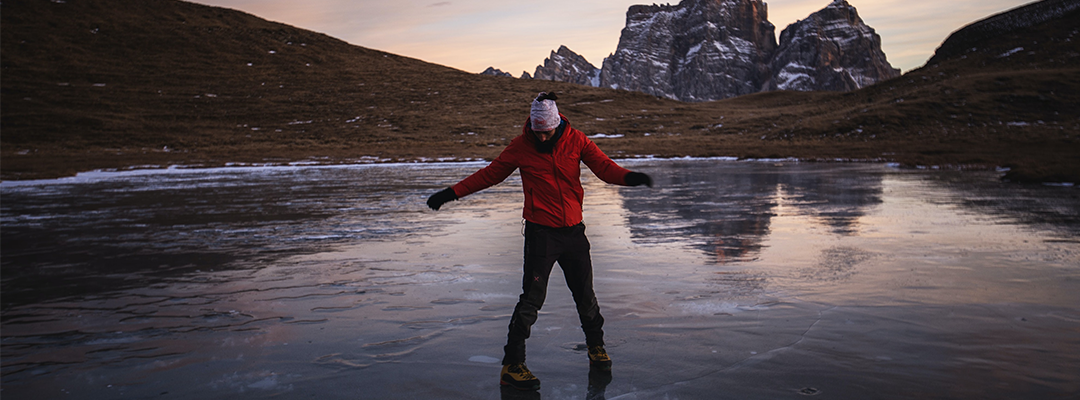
(438, 199)
(638, 179)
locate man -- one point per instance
(549, 153)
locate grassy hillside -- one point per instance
(91, 84)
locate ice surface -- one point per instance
(770, 279)
(484, 359)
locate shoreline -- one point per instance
(426, 162)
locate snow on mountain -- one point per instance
(832, 49)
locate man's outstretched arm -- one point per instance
(608, 171)
(486, 177)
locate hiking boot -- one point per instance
(519, 377)
(599, 359)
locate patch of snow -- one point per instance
(604, 135)
(1011, 52)
(690, 54)
(792, 78)
(772, 160)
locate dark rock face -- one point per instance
(495, 72)
(566, 66)
(831, 49)
(698, 50)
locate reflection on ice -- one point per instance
(726, 209)
(755, 280)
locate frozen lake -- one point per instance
(740, 280)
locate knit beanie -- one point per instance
(544, 115)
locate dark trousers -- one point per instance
(543, 247)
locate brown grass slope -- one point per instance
(93, 84)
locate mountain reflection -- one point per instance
(725, 209)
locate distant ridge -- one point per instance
(1032, 14)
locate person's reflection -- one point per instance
(509, 393)
(598, 381)
(597, 389)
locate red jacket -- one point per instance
(552, 182)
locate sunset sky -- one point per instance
(516, 36)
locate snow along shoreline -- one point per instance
(420, 163)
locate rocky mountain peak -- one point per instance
(832, 49)
(698, 50)
(565, 65)
(702, 50)
(495, 72)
